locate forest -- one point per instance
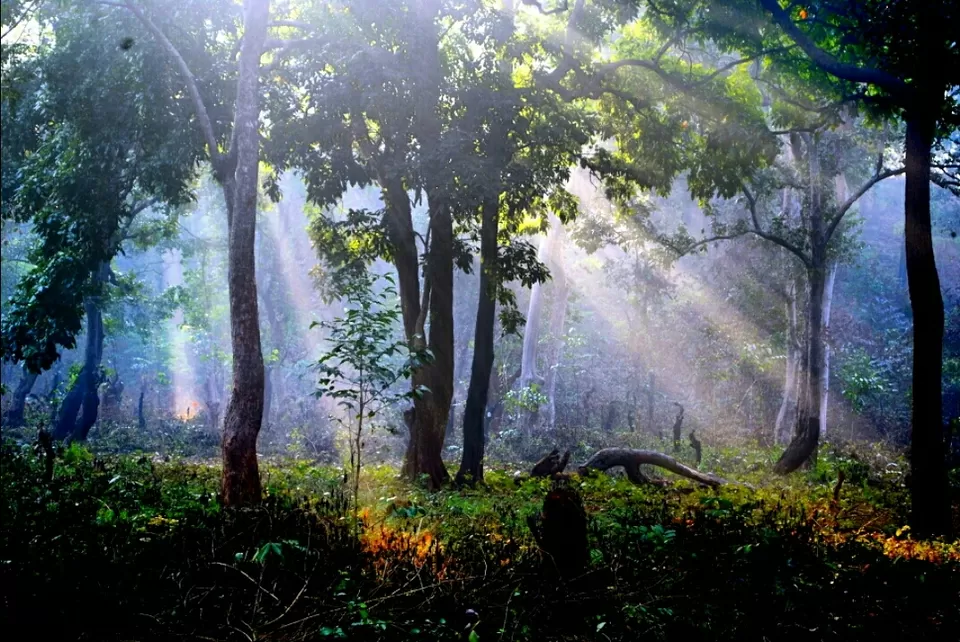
(480, 320)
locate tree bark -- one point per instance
(825, 331)
(14, 417)
(531, 331)
(807, 434)
(425, 448)
(83, 397)
(928, 490)
(244, 414)
(651, 391)
(788, 407)
(471, 464)
(141, 417)
(558, 319)
(631, 460)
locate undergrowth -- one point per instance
(132, 548)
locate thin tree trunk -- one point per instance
(789, 403)
(471, 464)
(928, 491)
(531, 330)
(141, 418)
(558, 319)
(651, 391)
(841, 193)
(825, 331)
(14, 417)
(91, 393)
(244, 414)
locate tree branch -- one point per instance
(787, 245)
(828, 63)
(845, 207)
(200, 107)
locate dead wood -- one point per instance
(630, 459)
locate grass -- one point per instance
(123, 547)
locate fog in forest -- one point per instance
(547, 301)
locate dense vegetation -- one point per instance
(339, 318)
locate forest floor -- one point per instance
(133, 548)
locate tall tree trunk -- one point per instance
(531, 329)
(825, 331)
(428, 424)
(474, 419)
(928, 490)
(529, 374)
(558, 319)
(83, 394)
(788, 406)
(241, 426)
(14, 417)
(91, 392)
(424, 455)
(807, 434)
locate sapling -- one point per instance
(367, 356)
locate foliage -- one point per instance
(148, 540)
(365, 361)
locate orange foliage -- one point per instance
(385, 545)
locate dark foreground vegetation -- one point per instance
(133, 547)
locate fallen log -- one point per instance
(631, 460)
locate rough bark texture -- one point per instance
(14, 417)
(632, 459)
(929, 492)
(471, 464)
(241, 426)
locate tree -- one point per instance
(388, 113)
(364, 362)
(81, 161)
(900, 59)
(236, 170)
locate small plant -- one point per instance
(364, 362)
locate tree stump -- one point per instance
(561, 530)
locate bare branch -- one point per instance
(845, 207)
(782, 242)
